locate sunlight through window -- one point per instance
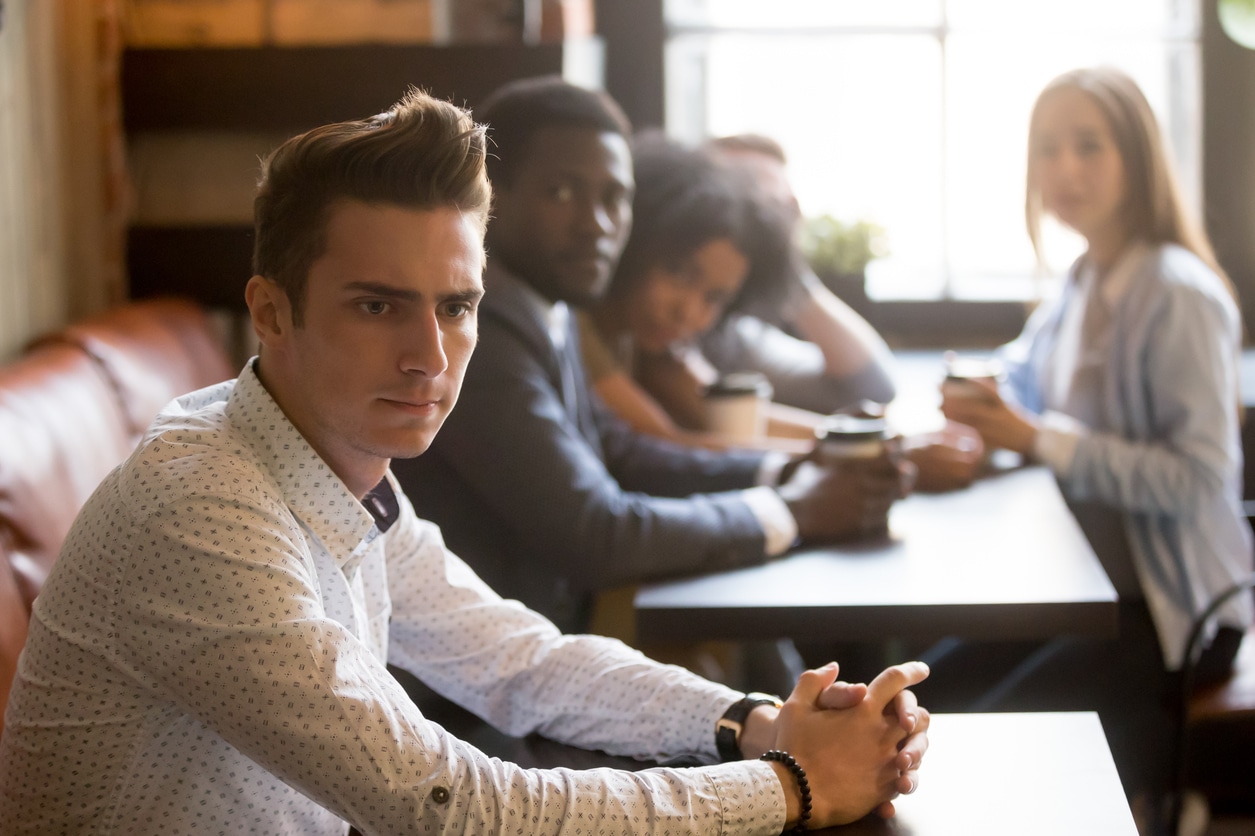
(913, 113)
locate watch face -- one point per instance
(759, 698)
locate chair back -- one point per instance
(1212, 716)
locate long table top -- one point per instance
(1003, 559)
(973, 784)
(984, 774)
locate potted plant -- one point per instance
(839, 251)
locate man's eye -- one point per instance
(456, 310)
(374, 307)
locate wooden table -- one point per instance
(1024, 774)
(1003, 559)
(984, 774)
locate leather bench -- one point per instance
(72, 407)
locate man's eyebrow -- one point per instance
(471, 294)
(387, 291)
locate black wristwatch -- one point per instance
(728, 728)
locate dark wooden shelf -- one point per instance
(287, 90)
(296, 88)
(210, 264)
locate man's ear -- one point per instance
(269, 309)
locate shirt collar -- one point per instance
(553, 315)
(1119, 279)
(314, 494)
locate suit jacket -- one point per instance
(549, 506)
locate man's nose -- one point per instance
(597, 219)
(424, 347)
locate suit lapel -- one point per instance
(509, 302)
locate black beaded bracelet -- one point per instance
(803, 786)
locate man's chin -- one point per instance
(411, 451)
(407, 448)
(585, 291)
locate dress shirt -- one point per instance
(1072, 387)
(208, 656)
(779, 526)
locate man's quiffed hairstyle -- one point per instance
(517, 110)
(422, 153)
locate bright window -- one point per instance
(914, 113)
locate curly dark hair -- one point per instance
(685, 198)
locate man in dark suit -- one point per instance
(546, 494)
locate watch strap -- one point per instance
(728, 727)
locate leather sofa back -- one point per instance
(62, 431)
(13, 623)
(75, 405)
(151, 352)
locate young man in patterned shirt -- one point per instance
(208, 654)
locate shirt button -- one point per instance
(440, 795)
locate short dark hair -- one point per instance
(685, 198)
(421, 153)
(517, 110)
(750, 143)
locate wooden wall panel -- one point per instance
(32, 265)
(61, 199)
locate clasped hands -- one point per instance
(861, 745)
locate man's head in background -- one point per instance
(764, 159)
(561, 168)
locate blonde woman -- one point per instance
(1126, 385)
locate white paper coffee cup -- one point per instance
(736, 406)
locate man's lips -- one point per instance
(413, 406)
(589, 257)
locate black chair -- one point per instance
(1216, 722)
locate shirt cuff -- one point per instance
(750, 796)
(771, 467)
(779, 527)
(1055, 443)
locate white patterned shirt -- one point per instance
(208, 656)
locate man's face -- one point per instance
(563, 220)
(389, 326)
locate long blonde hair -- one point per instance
(1152, 207)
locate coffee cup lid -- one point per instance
(852, 428)
(740, 383)
(964, 368)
